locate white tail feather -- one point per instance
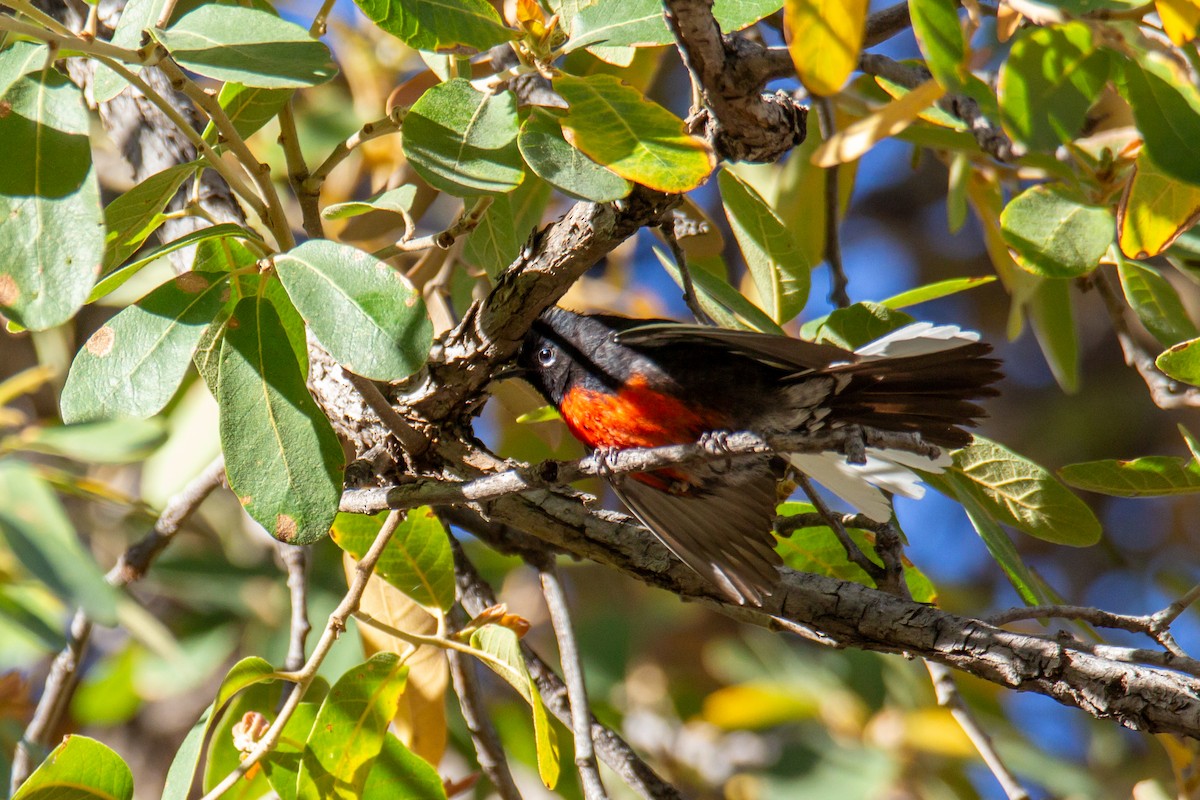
(863, 485)
(918, 339)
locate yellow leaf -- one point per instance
(1008, 20)
(421, 718)
(824, 39)
(1180, 19)
(849, 144)
(757, 705)
(1154, 209)
(1182, 753)
(934, 730)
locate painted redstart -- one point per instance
(619, 382)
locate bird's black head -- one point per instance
(564, 349)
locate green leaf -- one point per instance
(1166, 107)
(1017, 492)
(1029, 587)
(780, 274)
(817, 549)
(1055, 236)
(935, 291)
(493, 245)
(398, 200)
(282, 458)
(18, 60)
(637, 23)
(617, 127)
(436, 25)
(1052, 312)
(1151, 476)
(417, 561)
(855, 325)
(247, 46)
(222, 756)
(249, 108)
(245, 673)
(42, 538)
(398, 772)
(547, 153)
(133, 364)
(728, 307)
(502, 644)
(132, 217)
(1181, 362)
(364, 312)
(940, 37)
(136, 17)
(540, 414)
(52, 237)
(1156, 303)
(463, 141)
(350, 729)
(109, 442)
(117, 278)
(734, 15)
(282, 764)
(1050, 80)
(79, 769)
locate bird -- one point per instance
(620, 382)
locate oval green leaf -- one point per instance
(281, 455)
(79, 769)
(399, 772)
(1156, 303)
(398, 201)
(507, 662)
(1181, 362)
(52, 237)
(780, 271)
(108, 442)
(133, 364)
(247, 46)
(617, 127)
(463, 141)
(1152, 476)
(1166, 107)
(350, 728)
(132, 217)
(493, 245)
(436, 26)
(547, 153)
(1055, 236)
(940, 37)
(1050, 80)
(364, 312)
(417, 560)
(1015, 491)
(248, 108)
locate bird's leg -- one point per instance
(717, 444)
(604, 458)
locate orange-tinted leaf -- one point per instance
(1154, 209)
(1180, 19)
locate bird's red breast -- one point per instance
(637, 415)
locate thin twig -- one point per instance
(667, 229)
(572, 667)
(275, 218)
(289, 140)
(833, 211)
(296, 561)
(370, 130)
(304, 677)
(467, 221)
(950, 698)
(740, 445)
(131, 566)
(886, 23)
(1164, 391)
(856, 556)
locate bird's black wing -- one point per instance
(782, 351)
(723, 534)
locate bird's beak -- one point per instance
(511, 371)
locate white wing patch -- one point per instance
(863, 485)
(918, 339)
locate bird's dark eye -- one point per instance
(546, 356)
